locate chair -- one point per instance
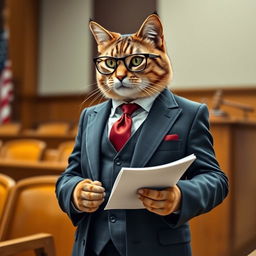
(74, 130)
(33, 209)
(53, 129)
(60, 154)
(10, 129)
(65, 149)
(6, 185)
(41, 244)
(23, 149)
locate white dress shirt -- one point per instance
(138, 117)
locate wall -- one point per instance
(65, 47)
(211, 43)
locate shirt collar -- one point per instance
(145, 103)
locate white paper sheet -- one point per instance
(129, 180)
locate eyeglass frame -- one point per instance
(146, 55)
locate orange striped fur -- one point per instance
(148, 39)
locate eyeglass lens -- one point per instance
(134, 63)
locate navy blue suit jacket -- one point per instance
(203, 186)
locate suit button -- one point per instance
(112, 219)
(118, 161)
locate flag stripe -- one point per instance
(6, 87)
(6, 93)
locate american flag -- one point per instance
(6, 86)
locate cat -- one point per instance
(136, 66)
(132, 66)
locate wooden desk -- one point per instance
(230, 229)
(23, 169)
(52, 141)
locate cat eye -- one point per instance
(107, 65)
(111, 63)
(136, 61)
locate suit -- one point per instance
(203, 186)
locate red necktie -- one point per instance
(121, 129)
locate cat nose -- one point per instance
(121, 77)
(121, 72)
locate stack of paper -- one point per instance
(129, 180)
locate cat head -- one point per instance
(132, 66)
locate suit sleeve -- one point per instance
(206, 185)
(71, 177)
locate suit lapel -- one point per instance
(161, 118)
(97, 121)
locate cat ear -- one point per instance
(152, 30)
(101, 35)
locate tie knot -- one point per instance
(129, 108)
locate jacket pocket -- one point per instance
(174, 236)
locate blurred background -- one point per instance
(48, 77)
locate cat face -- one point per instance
(132, 66)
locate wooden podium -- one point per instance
(230, 229)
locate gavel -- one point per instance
(218, 101)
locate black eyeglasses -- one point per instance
(107, 65)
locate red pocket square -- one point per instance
(171, 137)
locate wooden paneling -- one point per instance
(67, 108)
(23, 47)
(58, 108)
(122, 16)
(240, 95)
(211, 232)
(229, 229)
(244, 176)
(116, 16)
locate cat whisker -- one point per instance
(156, 87)
(99, 97)
(161, 95)
(92, 94)
(94, 91)
(152, 89)
(149, 90)
(93, 102)
(92, 87)
(89, 85)
(91, 90)
(85, 104)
